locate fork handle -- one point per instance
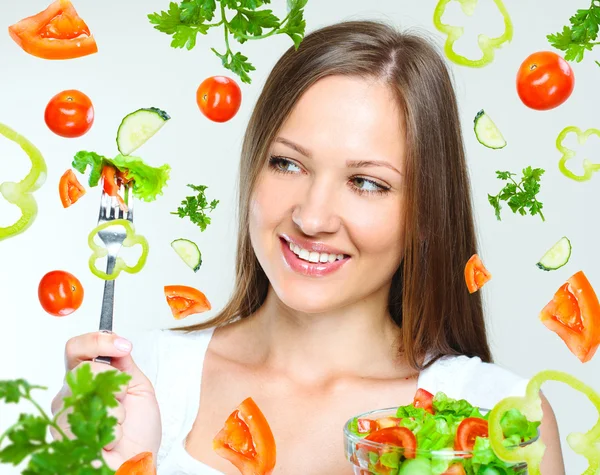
(106, 314)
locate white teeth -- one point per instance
(304, 254)
(340, 257)
(331, 257)
(323, 257)
(291, 246)
(313, 257)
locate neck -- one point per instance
(357, 340)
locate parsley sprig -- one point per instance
(581, 35)
(520, 196)
(184, 21)
(195, 207)
(90, 398)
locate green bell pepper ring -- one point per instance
(486, 44)
(567, 154)
(587, 444)
(131, 240)
(20, 194)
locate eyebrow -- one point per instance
(349, 163)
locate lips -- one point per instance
(312, 269)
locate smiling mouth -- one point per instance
(312, 256)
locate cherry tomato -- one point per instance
(545, 80)
(219, 98)
(468, 430)
(424, 399)
(69, 114)
(60, 293)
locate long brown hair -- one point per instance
(428, 297)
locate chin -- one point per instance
(310, 297)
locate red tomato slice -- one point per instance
(397, 437)
(366, 426)
(468, 430)
(56, 33)
(110, 185)
(246, 440)
(574, 315)
(389, 421)
(140, 464)
(476, 275)
(69, 188)
(424, 399)
(185, 301)
(456, 469)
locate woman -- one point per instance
(355, 226)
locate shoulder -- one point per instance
(463, 377)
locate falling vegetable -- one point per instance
(69, 114)
(184, 21)
(487, 132)
(219, 98)
(69, 189)
(557, 256)
(58, 32)
(138, 127)
(140, 464)
(486, 44)
(544, 81)
(574, 315)
(587, 444)
(520, 196)
(131, 240)
(21, 194)
(476, 275)
(567, 154)
(90, 423)
(195, 207)
(185, 301)
(60, 293)
(581, 35)
(189, 253)
(246, 440)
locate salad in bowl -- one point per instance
(435, 435)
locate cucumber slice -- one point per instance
(137, 127)
(487, 133)
(557, 256)
(189, 252)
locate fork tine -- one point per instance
(129, 203)
(113, 208)
(122, 191)
(105, 205)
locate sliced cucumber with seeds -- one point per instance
(189, 252)
(487, 133)
(137, 127)
(557, 256)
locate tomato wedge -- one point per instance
(246, 440)
(574, 315)
(110, 185)
(424, 399)
(56, 33)
(69, 188)
(476, 275)
(185, 301)
(366, 426)
(140, 464)
(397, 437)
(456, 469)
(468, 430)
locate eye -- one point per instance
(283, 165)
(365, 186)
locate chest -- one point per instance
(307, 421)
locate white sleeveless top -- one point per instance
(173, 361)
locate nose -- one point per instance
(316, 211)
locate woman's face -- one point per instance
(326, 212)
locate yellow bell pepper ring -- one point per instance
(587, 444)
(20, 194)
(486, 44)
(131, 240)
(567, 154)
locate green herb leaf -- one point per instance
(195, 207)
(521, 196)
(184, 21)
(581, 35)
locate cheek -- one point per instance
(268, 205)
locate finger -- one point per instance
(63, 423)
(118, 433)
(88, 346)
(118, 412)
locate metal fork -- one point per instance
(112, 237)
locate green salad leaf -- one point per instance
(148, 182)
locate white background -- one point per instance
(136, 67)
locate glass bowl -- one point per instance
(357, 451)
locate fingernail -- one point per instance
(122, 344)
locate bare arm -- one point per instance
(552, 463)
